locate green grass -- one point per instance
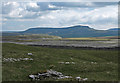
(45, 57)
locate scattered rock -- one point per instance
(49, 74)
(73, 62)
(78, 78)
(81, 79)
(30, 59)
(30, 54)
(67, 76)
(33, 76)
(108, 72)
(93, 62)
(15, 60)
(53, 75)
(84, 79)
(71, 58)
(66, 62)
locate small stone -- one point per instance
(108, 72)
(85, 79)
(71, 58)
(30, 54)
(31, 59)
(78, 78)
(68, 77)
(73, 62)
(26, 59)
(92, 62)
(67, 62)
(32, 77)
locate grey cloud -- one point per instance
(33, 9)
(42, 8)
(83, 4)
(7, 7)
(45, 6)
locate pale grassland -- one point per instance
(94, 39)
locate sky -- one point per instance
(19, 16)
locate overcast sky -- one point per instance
(24, 15)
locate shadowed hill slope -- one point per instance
(71, 32)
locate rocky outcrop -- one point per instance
(51, 74)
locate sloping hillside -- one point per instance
(72, 32)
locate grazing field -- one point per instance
(97, 65)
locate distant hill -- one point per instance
(115, 29)
(10, 33)
(72, 32)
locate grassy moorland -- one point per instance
(99, 65)
(29, 37)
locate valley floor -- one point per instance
(112, 43)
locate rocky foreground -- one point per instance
(51, 74)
